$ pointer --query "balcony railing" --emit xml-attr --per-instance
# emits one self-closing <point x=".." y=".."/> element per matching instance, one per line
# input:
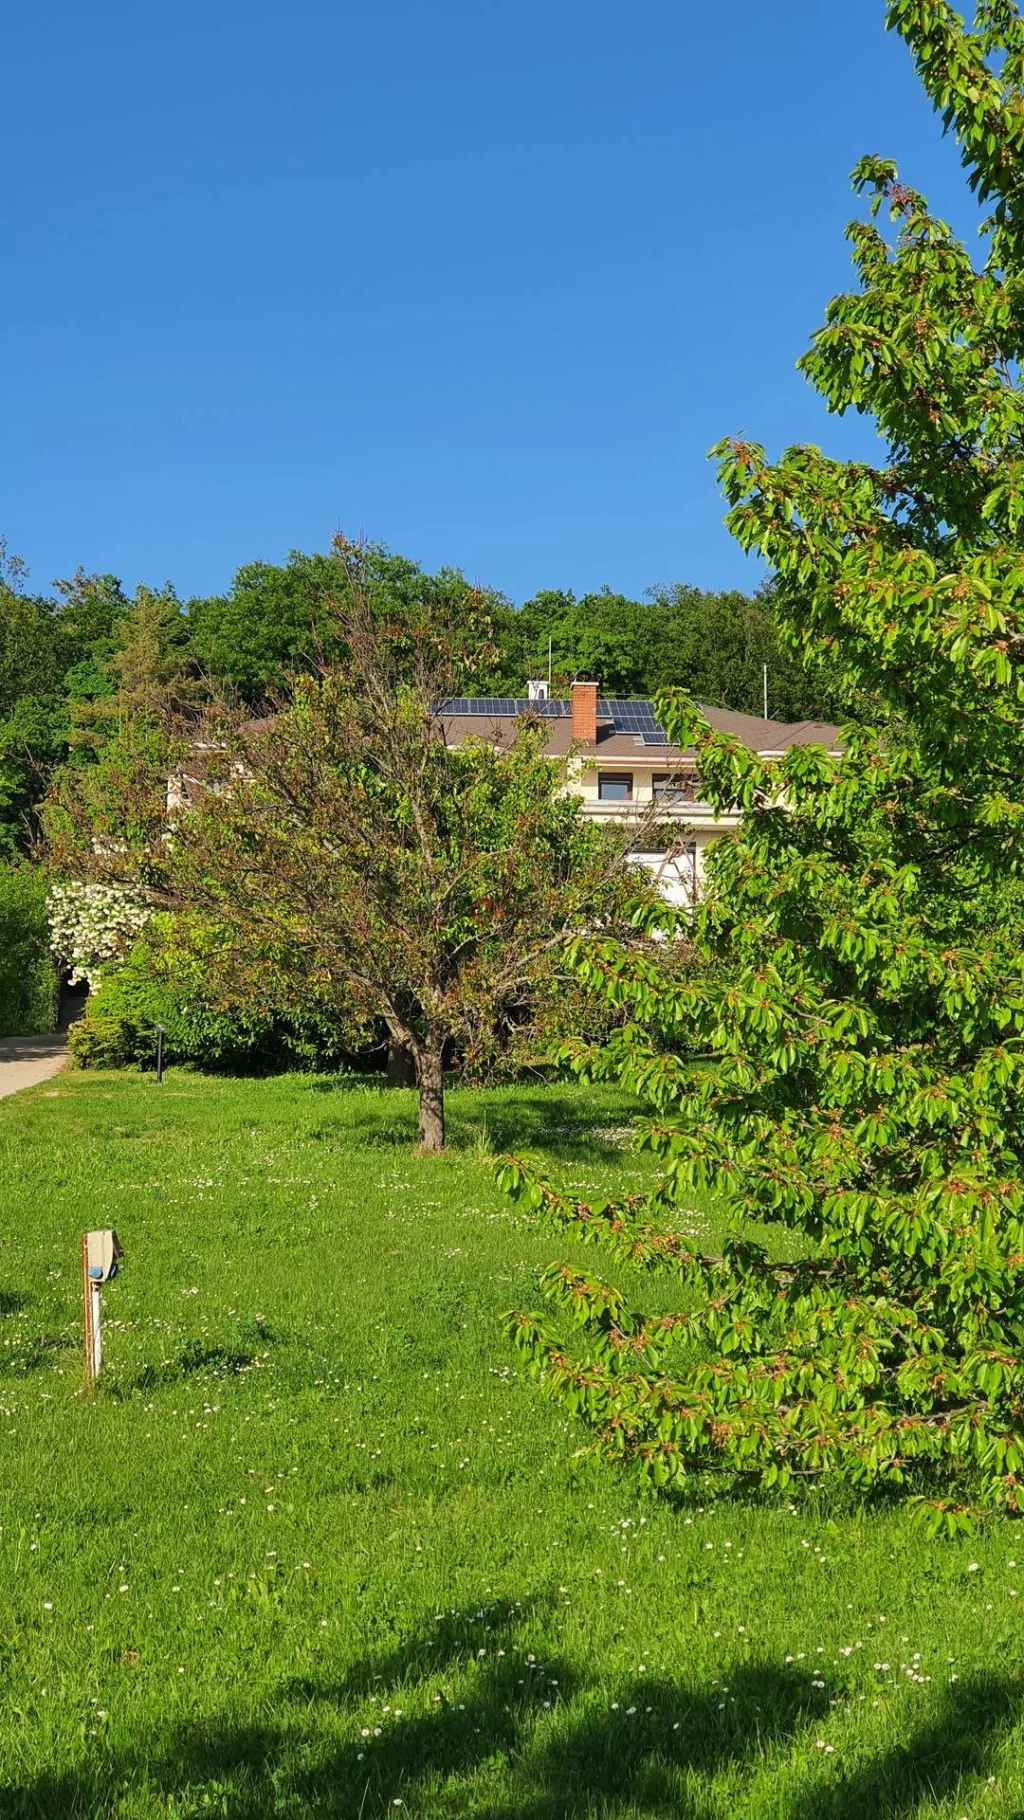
<point x="663" y="810"/>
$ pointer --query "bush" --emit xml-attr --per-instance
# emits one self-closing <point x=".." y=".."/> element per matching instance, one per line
<point x="157" y="985"/>
<point x="28" y="978"/>
<point x="118" y="1029"/>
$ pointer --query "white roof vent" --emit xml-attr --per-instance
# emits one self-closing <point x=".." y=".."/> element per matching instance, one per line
<point x="537" y="691"/>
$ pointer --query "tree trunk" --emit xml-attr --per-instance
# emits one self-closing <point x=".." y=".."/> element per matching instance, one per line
<point x="430" y="1080"/>
<point x="401" y="1065"/>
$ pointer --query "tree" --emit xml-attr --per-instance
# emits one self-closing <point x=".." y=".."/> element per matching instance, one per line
<point x="57" y="658"/>
<point x="342" y="844"/>
<point x="109" y="796"/>
<point x="862" y="990"/>
<point x="27" y="659"/>
<point x="147" y="677"/>
<point x="277" y="622"/>
<point x="601" y="635"/>
<point x="87" y="613"/>
<point x="29" y="679"/>
<point x="713" y="645"/>
<point x="718" y="646"/>
<point x="264" y="628"/>
<point x="28" y="979"/>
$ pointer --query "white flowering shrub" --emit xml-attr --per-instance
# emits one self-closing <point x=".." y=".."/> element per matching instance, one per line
<point x="94" y="926"/>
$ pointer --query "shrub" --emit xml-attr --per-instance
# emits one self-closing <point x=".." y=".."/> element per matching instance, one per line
<point x="118" y="1029"/>
<point x="159" y="985"/>
<point x="28" y="978"/>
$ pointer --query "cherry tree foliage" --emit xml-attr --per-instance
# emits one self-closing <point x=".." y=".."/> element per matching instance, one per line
<point x="860" y="995"/>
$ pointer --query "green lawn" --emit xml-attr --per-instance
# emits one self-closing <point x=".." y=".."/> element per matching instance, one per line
<point x="318" y="1547"/>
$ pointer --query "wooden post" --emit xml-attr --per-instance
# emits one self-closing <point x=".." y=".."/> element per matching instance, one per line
<point x="100" y="1252"/>
<point x="90" y="1319"/>
<point x="159" y="1053"/>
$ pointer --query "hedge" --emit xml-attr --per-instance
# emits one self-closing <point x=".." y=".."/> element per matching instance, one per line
<point x="28" y="976"/>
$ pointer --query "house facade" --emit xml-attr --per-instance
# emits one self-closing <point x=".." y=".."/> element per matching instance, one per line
<point x="625" y="769"/>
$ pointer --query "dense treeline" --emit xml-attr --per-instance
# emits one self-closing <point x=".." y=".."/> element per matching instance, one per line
<point x="73" y="662"/>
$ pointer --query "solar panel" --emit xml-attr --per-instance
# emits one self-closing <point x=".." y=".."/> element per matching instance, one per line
<point x="629" y="716"/>
<point x="626" y="716"/>
<point x="500" y="707"/>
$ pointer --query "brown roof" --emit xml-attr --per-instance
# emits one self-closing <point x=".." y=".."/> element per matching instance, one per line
<point x="757" y="734"/>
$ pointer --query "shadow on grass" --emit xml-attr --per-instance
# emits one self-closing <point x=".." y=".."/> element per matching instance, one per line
<point x="496" y="1731"/>
<point x="196" y="1361"/>
<point x="343" y="1083"/>
<point x="927" y="1770"/>
<point x="561" y="1124"/>
<point x="12" y="1301"/>
<point x="39" y="1354"/>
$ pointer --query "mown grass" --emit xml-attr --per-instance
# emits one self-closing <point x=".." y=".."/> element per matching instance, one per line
<point x="317" y="1546"/>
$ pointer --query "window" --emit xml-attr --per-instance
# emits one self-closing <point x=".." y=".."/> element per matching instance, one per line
<point x="615" y="786"/>
<point x="675" y="787"/>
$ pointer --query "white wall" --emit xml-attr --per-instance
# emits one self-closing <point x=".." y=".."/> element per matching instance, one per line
<point x="680" y="877"/>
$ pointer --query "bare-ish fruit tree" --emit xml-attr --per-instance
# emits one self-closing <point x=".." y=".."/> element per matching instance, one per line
<point x="340" y="845"/>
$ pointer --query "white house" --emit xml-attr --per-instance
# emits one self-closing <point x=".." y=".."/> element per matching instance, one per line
<point x="623" y="763"/>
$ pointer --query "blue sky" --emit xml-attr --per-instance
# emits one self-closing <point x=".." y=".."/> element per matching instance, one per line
<point x="484" y="282"/>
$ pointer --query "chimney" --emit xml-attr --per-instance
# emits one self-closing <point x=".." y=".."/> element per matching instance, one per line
<point x="584" y="712"/>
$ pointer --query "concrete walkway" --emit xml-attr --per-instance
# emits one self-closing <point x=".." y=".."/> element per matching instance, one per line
<point x="26" y="1060"/>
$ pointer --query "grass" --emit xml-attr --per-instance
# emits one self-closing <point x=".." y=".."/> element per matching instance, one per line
<point x="318" y="1547"/>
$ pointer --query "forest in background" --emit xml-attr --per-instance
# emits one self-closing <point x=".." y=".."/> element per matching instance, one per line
<point x="75" y="659"/>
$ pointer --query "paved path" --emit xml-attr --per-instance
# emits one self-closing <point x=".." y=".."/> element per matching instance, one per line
<point x="26" y="1060"/>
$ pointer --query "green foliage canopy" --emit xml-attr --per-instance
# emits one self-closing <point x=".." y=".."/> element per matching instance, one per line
<point x="713" y="645"/>
<point x="63" y="657"/>
<point x="863" y="990"/>
<point x="279" y="622"/>
<point x="28" y="978"/>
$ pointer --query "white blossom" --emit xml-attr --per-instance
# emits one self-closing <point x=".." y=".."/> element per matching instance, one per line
<point x="93" y="926"/>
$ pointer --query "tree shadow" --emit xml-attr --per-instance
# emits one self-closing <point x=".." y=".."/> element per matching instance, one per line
<point x="12" y="1301"/>
<point x="483" y="1698"/>
<point x="195" y="1361"/>
<point x="369" y="1134"/>
<point x="39" y="1354"/>
<point x="560" y="1123"/>
<point x="929" y="1767"/>
<point x="342" y="1083"/>
<point x="496" y="1729"/>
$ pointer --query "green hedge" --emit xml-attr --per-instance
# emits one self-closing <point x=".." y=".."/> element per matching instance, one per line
<point x="118" y="1029"/>
<point x="28" y="976"/>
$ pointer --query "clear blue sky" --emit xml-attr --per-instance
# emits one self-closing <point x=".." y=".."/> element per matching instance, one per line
<point x="484" y="282"/>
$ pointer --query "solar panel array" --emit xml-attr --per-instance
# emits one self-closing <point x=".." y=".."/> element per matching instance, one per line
<point x="636" y="717"/>
<point x="498" y="707"/>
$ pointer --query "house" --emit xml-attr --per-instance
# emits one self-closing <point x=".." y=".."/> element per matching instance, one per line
<point x="625" y="768"/>
<point x="621" y="764"/>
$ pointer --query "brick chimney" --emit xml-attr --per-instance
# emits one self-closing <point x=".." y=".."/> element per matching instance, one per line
<point x="584" y="712"/>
